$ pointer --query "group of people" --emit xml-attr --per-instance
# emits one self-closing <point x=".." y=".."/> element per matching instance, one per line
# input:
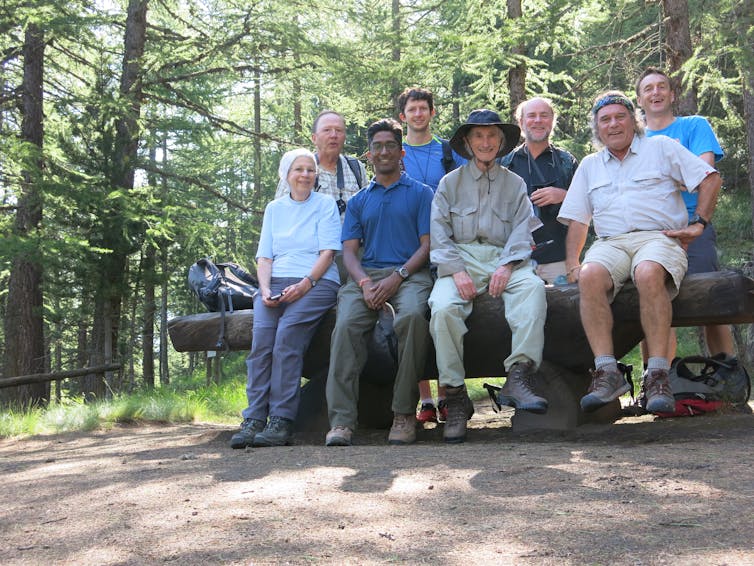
<point x="489" y="216"/>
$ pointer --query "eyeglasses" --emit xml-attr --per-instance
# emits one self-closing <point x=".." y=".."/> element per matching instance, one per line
<point x="378" y="147"/>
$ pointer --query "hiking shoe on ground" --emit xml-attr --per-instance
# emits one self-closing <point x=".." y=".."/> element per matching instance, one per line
<point x="659" y="396"/>
<point x="606" y="385"/>
<point x="442" y="411"/>
<point x="339" y="436"/>
<point x="278" y="432"/>
<point x="460" y="410"/>
<point x="518" y="392"/>
<point x="245" y="436"/>
<point x="403" y="430"/>
<point x="427" y="413"/>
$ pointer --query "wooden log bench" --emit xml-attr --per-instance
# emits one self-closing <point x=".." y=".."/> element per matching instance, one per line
<point x="713" y="298"/>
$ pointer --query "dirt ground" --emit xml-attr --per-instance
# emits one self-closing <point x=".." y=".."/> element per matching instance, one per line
<point x="636" y="492"/>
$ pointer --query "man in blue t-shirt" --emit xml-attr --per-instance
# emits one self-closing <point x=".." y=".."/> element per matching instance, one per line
<point x="390" y="219"/>
<point x="655" y="96"/>
<point x="427" y="158"/>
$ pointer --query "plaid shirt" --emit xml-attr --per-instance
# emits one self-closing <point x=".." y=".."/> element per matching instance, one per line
<point x="328" y="182"/>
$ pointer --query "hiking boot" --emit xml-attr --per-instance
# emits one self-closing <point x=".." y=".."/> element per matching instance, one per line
<point x="442" y="411"/>
<point x="278" y="432"/>
<point x="517" y="391"/>
<point x="427" y="413"/>
<point x="403" y="430"/>
<point x="339" y="436"/>
<point x="245" y="436"/>
<point x="606" y="385"/>
<point x="460" y="410"/>
<point x="659" y="396"/>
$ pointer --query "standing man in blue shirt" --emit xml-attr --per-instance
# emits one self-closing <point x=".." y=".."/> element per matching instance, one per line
<point x="427" y="159"/>
<point x="655" y="96"/>
<point x="390" y="219"/>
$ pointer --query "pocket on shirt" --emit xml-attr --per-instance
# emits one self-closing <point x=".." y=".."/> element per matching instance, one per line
<point x="602" y="195"/>
<point x="463" y="221"/>
<point x="502" y="227"/>
<point x="652" y="184"/>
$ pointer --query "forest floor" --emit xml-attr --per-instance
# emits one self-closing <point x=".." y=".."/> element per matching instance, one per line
<point x="641" y="491"/>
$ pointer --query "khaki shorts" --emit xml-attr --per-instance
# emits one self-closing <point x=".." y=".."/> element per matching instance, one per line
<point x="622" y="253"/>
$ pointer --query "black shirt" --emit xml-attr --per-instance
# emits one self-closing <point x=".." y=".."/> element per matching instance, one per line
<point x="553" y="167"/>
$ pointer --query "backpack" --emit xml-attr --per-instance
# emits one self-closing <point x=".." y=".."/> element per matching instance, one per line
<point x="708" y="385"/>
<point x="222" y="287"/>
<point x="353" y="164"/>
<point x="448" y="162"/>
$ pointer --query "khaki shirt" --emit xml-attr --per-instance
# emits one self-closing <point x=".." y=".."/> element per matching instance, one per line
<point x="486" y="208"/>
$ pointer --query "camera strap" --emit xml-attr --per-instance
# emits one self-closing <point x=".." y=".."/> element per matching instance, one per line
<point x="340" y="179"/>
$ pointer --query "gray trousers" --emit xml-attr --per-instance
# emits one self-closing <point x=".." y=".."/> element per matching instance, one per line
<point x="348" y="347"/>
<point x="281" y="337"/>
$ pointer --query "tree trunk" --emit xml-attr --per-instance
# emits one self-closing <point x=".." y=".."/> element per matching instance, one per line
<point x="259" y="197"/>
<point x="113" y="266"/>
<point x="298" y="125"/>
<point x="149" y="307"/>
<point x="165" y="277"/>
<point x="517" y="74"/>
<point x="395" y="87"/>
<point x="678" y="49"/>
<point x="748" y="100"/>
<point x="748" y="103"/>
<point x="24" y="323"/>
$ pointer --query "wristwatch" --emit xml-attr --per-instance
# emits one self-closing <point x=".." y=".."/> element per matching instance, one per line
<point x="696" y="219"/>
<point x="403" y="272"/>
<point x="312" y="279"/>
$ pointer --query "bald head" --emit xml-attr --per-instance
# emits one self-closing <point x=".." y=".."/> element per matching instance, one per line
<point x="536" y="117"/>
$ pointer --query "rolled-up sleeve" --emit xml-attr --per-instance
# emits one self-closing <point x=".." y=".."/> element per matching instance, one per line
<point x="576" y="205"/>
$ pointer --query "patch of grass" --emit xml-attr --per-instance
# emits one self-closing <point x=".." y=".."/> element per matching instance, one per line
<point x="215" y="403"/>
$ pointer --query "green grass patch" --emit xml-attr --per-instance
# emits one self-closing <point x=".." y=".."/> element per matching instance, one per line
<point x="175" y="404"/>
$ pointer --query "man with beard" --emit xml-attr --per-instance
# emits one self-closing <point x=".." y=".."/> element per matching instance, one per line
<point x="547" y="171"/>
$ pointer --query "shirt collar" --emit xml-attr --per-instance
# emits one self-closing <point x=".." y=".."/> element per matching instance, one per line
<point x="633" y="148"/>
<point x="477" y="173"/>
<point x="401" y="181"/>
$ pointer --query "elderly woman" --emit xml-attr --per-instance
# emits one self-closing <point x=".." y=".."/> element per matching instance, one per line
<point x="298" y="284"/>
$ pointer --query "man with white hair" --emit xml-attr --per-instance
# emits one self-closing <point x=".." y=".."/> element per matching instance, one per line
<point x="631" y="190"/>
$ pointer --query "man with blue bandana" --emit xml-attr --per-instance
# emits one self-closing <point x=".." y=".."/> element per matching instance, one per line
<point x="631" y="190"/>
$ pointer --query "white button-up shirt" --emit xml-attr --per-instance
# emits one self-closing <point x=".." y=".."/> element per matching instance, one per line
<point x="641" y="192"/>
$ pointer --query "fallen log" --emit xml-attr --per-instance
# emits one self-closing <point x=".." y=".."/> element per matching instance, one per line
<point x="712" y="298"/>
<point x="55" y="376"/>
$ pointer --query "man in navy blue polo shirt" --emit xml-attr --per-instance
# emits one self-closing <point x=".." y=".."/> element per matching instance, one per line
<point x="390" y="219"/>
